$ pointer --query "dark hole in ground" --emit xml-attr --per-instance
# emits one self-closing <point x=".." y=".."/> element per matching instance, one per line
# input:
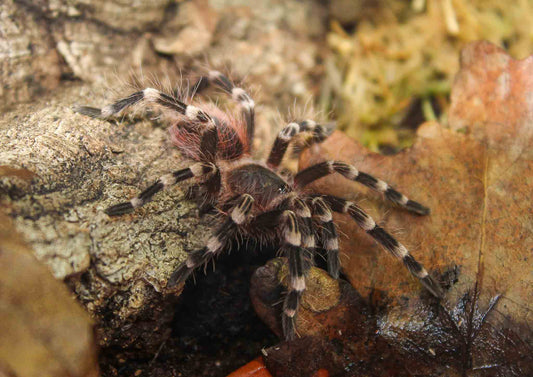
<point x="215" y="329"/>
<point x="215" y="320"/>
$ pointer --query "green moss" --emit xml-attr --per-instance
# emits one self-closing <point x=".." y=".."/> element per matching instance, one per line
<point x="398" y="57"/>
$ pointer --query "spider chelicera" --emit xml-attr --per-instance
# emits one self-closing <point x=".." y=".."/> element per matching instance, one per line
<point x="252" y="198"/>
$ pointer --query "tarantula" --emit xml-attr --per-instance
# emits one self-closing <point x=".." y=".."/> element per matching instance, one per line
<point x="254" y="200"/>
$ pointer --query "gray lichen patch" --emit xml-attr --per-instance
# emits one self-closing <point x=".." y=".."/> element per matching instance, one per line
<point x="77" y="174"/>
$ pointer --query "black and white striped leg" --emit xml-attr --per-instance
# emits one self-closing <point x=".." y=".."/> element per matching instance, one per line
<point x="323" y="169"/>
<point x="309" y="242"/>
<point x="197" y="170"/>
<point x="239" y="95"/>
<point x="286" y="135"/>
<point x="217" y="242"/>
<point x="294" y="226"/>
<point x="330" y="239"/>
<point x="292" y="248"/>
<point x="148" y="95"/>
<point x="388" y="242"/>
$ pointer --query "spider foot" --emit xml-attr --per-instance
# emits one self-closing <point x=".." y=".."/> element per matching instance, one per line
<point x="92" y="112"/>
<point x="180" y="275"/>
<point x="433" y="286"/>
<point x="417" y="208"/>
<point x="120" y="209"/>
<point x="288" y="326"/>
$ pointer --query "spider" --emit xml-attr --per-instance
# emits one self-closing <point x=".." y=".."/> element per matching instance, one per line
<point x="252" y="198"/>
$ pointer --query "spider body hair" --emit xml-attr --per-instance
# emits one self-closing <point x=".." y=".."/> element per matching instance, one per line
<point x="232" y="141"/>
<point x="253" y="199"/>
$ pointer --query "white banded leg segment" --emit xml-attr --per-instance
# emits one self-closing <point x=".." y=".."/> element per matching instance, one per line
<point x="287" y="134"/>
<point x="298" y="266"/>
<point x="148" y="95"/>
<point x="329" y="236"/>
<point x="167" y="180"/>
<point x="323" y="169"/>
<point x="391" y="194"/>
<point x="301" y="209"/>
<point x="307" y="231"/>
<point x="238" y="215"/>
<point x="112" y="109"/>
<point x="313" y="134"/>
<point x="159" y="98"/>
<point x="330" y="241"/>
<point x="308" y="236"/>
<point x="242" y="209"/>
<point x="319" y="132"/>
<point x="240" y="96"/>
<point x="388" y="242"/>
<point x="296" y="287"/>
<point x="222" y="81"/>
<point x="289" y="316"/>
<point x="281" y="143"/>
<point x="304" y="213"/>
<point x="196" y="258"/>
<point x="321" y="210"/>
<point x="297" y="270"/>
<point x="216" y="243"/>
<point x="291" y="231"/>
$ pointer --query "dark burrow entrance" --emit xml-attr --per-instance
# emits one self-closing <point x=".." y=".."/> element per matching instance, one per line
<point x="214" y="331"/>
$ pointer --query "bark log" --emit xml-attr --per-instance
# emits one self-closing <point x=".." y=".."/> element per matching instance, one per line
<point x="60" y="170"/>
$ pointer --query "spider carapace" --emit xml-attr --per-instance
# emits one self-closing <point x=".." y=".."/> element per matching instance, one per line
<point x="252" y="199"/>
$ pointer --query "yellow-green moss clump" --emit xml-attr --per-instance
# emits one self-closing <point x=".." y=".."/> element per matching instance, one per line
<point x="401" y="58"/>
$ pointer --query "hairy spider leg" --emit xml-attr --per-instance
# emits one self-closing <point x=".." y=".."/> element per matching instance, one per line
<point x="239" y="95"/>
<point x="292" y="249"/>
<point x="238" y="215"/>
<point x="329" y="236"/>
<point x="209" y="134"/>
<point x="388" y="242"/>
<point x="312" y="173"/>
<point x="299" y="260"/>
<point x="287" y="134"/>
<point x="208" y="146"/>
<point x="309" y="242"/>
<point x="197" y="170"/>
<point x="149" y="95"/>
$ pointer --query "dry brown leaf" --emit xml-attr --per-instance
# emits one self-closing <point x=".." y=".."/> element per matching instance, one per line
<point x="477" y="183"/>
<point x="44" y="332"/>
<point x="476" y="176"/>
